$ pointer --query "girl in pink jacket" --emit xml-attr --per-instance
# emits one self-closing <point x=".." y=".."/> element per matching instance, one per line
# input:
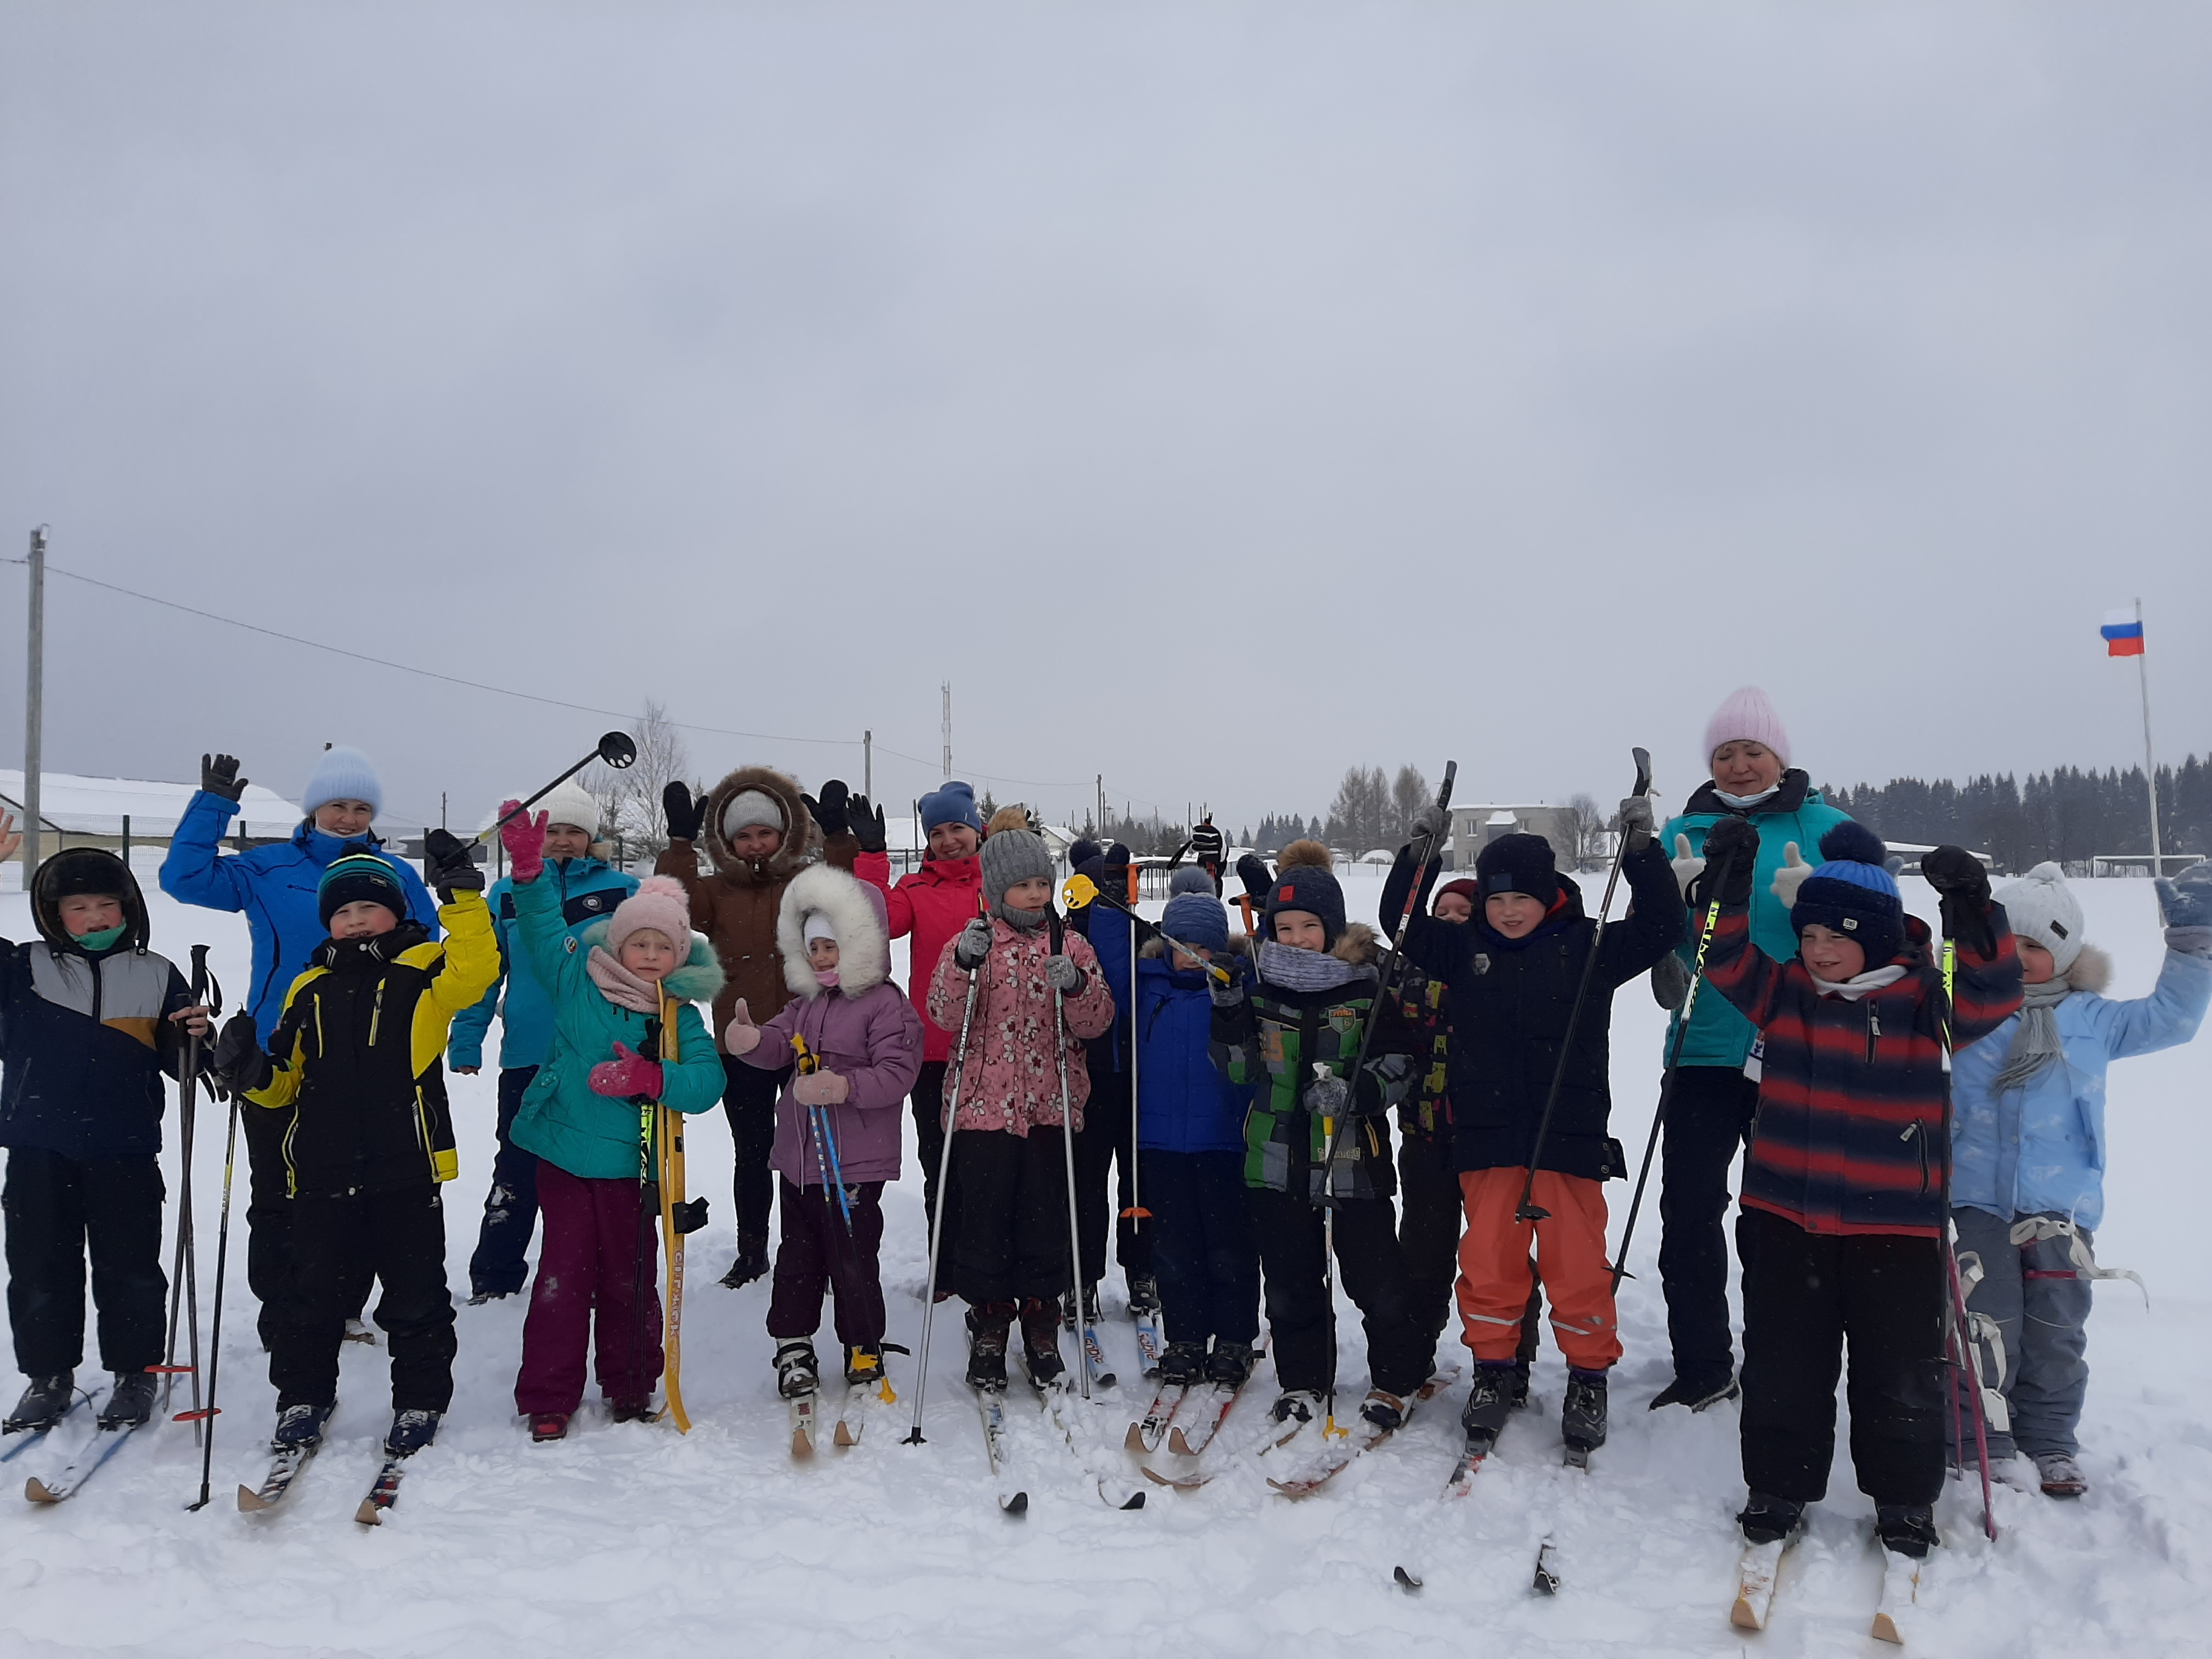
<point x="1009" y="1255"/>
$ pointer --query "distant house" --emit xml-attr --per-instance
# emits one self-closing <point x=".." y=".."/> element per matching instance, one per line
<point x="74" y="811"/>
<point x="1474" y="827"/>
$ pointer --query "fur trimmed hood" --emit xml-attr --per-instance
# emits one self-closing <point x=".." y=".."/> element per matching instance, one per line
<point x="2092" y="970"/>
<point x="856" y="912"/>
<point x="700" y="978"/>
<point x="802" y="837"/>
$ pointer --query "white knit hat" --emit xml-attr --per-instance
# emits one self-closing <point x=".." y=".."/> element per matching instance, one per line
<point x="818" y="926"/>
<point x="2041" y="906"/>
<point x="1747" y="713"/>
<point x="570" y="803"/>
<point x="748" y="807"/>
<point x="342" y="772"/>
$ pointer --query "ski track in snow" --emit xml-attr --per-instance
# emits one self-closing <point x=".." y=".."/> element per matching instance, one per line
<point x="694" y="1543"/>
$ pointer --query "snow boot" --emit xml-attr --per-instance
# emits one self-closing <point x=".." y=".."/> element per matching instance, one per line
<point x="1385" y="1410"/>
<point x="752" y="1262"/>
<point x="1296" y="1406"/>
<point x="1520" y="1384"/>
<point x="1041" y="1341"/>
<point x="1182" y="1364"/>
<point x="1489" y="1402"/>
<point x="1229" y="1365"/>
<point x="1907" y="1528"/>
<point x="300" y="1428"/>
<point x="483" y="1297"/>
<point x="129" y="1400"/>
<point x="549" y="1425"/>
<point x="1582" y="1420"/>
<point x="1697" y="1397"/>
<point x="864" y="1362"/>
<point x="43" y="1402"/>
<point x="411" y="1430"/>
<point x="1766" y="1518"/>
<point x="798" y="1373"/>
<point x="2061" y="1476"/>
<point x="986" y="1344"/>
<point x="632" y="1411"/>
<point x="1144" y="1294"/>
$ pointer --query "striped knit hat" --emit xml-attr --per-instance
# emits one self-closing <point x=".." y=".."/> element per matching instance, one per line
<point x="355" y="877"/>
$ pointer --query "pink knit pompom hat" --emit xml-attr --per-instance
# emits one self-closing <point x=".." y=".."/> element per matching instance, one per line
<point x="659" y="904"/>
<point x="1747" y="713"/>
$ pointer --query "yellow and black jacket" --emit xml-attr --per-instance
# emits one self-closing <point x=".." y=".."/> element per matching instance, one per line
<point x="356" y="1055"/>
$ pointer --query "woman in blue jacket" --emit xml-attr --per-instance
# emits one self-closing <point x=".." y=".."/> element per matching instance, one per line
<point x="1717" y="1090"/>
<point x="1191" y="1133"/>
<point x="2027" y="1183"/>
<point x="275" y="885"/>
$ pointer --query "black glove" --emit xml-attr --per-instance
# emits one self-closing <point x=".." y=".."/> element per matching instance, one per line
<point x="867" y="823"/>
<point x="1731" y="853"/>
<point x="1252" y="871"/>
<point x="1670" y="982"/>
<point x="830" y="812"/>
<point x="1394" y="1077"/>
<point x="684" y="814"/>
<point x="237" y="1062"/>
<point x="450" y="864"/>
<point x="1962" y="881"/>
<point x="219" y="776"/>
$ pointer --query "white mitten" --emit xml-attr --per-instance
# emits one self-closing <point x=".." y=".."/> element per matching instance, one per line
<point x="1687" y="865"/>
<point x="1791" y="876"/>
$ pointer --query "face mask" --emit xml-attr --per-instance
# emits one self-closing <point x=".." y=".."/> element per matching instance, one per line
<point x="1740" y="802"/>
<point x="101" y="941"/>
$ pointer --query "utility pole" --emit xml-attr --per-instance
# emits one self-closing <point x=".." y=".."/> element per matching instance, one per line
<point x="2151" y="761"/>
<point x="868" y="764"/>
<point x="948" y="730"/>
<point x="35" y="697"/>
<point x="1101" y="807"/>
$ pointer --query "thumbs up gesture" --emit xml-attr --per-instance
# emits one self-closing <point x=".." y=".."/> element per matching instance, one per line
<point x="1687" y="865"/>
<point x="743" y="1037"/>
<point x="1791" y="876"/>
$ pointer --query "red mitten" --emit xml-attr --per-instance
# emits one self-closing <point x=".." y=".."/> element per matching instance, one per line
<point x="626" y="1075"/>
<point x="524" y="841"/>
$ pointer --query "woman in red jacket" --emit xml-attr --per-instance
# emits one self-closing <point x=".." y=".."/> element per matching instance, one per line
<point x="930" y="906"/>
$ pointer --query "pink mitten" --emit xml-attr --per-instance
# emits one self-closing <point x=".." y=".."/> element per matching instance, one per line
<point x="743" y="1037"/>
<point x="626" y="1075"/>
<point x="820" y="1089"/>
<point x="524" y="841"/>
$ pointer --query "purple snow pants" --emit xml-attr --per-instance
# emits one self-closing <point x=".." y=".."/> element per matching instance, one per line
<point x="589" y="1263"/>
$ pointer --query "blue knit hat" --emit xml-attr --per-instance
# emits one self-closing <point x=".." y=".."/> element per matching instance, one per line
<point x="342" y="774"/>
<point x="1851" y="894"/>
<point x="953" y="803"/>
<point x="1197" y="919"/>
<point x="357" y="876"/>
<point x="1190" y="879"/>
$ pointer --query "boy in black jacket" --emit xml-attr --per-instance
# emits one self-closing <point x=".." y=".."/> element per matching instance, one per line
<point x="1510" y="976"/>
<point x="89" y="1020"/>
<point x="356" y="1062"/>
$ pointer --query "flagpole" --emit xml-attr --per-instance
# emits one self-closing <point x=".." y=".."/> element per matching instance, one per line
<point x="2150" y="765"/>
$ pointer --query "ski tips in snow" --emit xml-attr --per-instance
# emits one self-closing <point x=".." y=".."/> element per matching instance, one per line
<point x="1547" y="1581"/>
<point x="1756" y="1573"/>
<point x="1406" y="1581"/>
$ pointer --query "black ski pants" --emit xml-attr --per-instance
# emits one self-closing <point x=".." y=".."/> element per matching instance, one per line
<point x="928" y="1102"/>
<point x="510" y="1215"/>
<point x="1208" y="1261"/>
<point x="1429" y="1226"/>
<point x="398" y="1235"/>
<point x="749" y="1098"/>
<point x="817" y="1254"/>
<point x="1103" y="1145"/>
<point x="56" y="1207"/>
<point x="1807" y="1294"/>
<point x="1013" y="1216"/>
<point x="1708" y="1121"/>
<point x="1290" y="1231"/>
<point x="270" y="1256"/>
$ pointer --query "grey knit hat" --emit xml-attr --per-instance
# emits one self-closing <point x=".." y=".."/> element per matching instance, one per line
<point x="1010" y="856"/>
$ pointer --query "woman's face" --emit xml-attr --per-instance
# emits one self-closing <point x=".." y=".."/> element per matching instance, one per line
<point x="345" y="818"/>
<point x="567" y="841"/>
<point x="952" y="841"/>
<point x="756" y="841"/>
<point x="1741" y="767"/>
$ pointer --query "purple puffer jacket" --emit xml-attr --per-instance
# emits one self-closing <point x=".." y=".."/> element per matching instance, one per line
<point x="863" y="1029"/>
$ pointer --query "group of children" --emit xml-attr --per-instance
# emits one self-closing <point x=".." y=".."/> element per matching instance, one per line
<point x="1264" y="1067"/>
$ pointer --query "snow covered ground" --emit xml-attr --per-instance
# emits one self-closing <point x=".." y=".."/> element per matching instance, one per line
<point x="635" y="1537"/>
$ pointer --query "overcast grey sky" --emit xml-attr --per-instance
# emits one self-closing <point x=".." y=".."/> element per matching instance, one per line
<point x="1219" y="395"/>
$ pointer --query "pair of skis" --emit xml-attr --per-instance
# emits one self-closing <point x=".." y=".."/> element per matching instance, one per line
<point x="862" y="1400"/>
<point x="288" y="1463"/>
<point x="89" y="1460"/>
<point x="1759" y="1574"/>
<point x="1339" y="1451"/>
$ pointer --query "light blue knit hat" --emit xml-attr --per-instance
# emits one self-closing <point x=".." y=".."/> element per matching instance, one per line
<point x="342" y="772"/>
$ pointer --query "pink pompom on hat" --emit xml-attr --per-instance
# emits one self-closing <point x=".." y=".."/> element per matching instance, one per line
<point x="1747" y="713"/>
<point x="659" y="904"/>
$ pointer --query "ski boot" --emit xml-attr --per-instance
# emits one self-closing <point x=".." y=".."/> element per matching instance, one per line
<point x="1906" y="1528"/>
<point x="987" y="1346"/>
<point x="632" y="1411"/>
<point x="478" y="1299"/>
<point x="300" y="1428"/>
<point x="2061" y="1476"/>
<point x="1489" y="1403"/>
<point x="1385" y="1411"/>
<point x="1230" y="1366"/>
<point x="1294" y="1408"/>
<point x="864" y="1362"/>
<point x="1067" y="1313"/>
<point x="752" y="1262"/>
<point x="1767" y="1519"/>
<point x="1041" y="1342"/>
<point x="1582" y="1420"/>
<point x="411" y="1430"/>
<point x="1697" y="1397"/>
<point x="42" y="1403"/>
<point x="549" y="1425"/>
<point x="1520" y="1402"/>
<point x="1144" y="1294"/>
<point x="129" y="1400"/>
<point x="798" y="1373"/>
<point x="1182" y="1364"/>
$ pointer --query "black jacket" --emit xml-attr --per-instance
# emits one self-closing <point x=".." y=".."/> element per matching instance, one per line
<point x="1508" y="1000"/>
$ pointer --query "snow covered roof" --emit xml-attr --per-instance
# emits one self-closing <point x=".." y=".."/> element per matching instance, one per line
<point x="97" y="806"/>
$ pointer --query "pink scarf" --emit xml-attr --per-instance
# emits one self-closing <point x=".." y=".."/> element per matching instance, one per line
<point x="619" y="986"/>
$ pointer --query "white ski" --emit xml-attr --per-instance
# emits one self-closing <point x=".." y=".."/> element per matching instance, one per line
<point x="991" y="1405"/>
<point x="1151" y="1342"/>
<point x="862" y="1400"/>
<point x="1146" y="1434"/>
<point x="802" y="1423"/>
<point x="1900" y="1594"/>
<point x="1756" y="1573"/>
<point x="1113" y="1491"/>
<point x="283" y="1469"/>
<point x="83" y="1467"/>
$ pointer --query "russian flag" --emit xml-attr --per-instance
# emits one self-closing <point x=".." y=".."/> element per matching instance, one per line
<point x="2122" y="632"/>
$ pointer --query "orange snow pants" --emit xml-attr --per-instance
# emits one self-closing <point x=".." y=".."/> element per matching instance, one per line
<point x="1571" y="1261"/>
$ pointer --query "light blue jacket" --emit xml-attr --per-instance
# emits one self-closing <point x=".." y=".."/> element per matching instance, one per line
<point x="2042" y="1148"/>
<point x="589" y="889"/>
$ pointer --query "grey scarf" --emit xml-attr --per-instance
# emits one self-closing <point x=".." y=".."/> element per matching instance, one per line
<point x="1307" y="970"/>
<point x="2035" y="1045"/>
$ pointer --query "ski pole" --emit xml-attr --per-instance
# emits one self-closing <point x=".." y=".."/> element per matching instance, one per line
<point x="1136" y="1214"/>
<point x="952" y="1114"/>
<point x="1716" y="882"/>
<point x="807" y="1064"/>
<point x="208" y="1413"/>
<point x="184" y="1280"/>
<point x="615" y="749"/>
<point x="1530" y="1210"/>
<point x="1068" y="1147"/>
<point x="1961" y="1355"/>
<point x="1078" y="891"/>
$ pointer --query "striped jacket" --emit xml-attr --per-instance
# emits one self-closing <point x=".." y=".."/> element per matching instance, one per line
<point x="1848" y="1137"/>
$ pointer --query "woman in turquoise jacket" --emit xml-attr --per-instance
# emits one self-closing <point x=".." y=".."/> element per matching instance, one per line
<point x="612" y="989"/>
<point x="2027" y="1181"/>
<point x="1708" y="1116"/>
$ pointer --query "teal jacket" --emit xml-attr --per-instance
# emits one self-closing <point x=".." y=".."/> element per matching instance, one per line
<point x="593" y="1136"/>
<point x="1718" y="1034"/>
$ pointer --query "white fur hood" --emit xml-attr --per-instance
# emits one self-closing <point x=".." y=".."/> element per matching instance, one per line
<point x="855" y="910"/>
